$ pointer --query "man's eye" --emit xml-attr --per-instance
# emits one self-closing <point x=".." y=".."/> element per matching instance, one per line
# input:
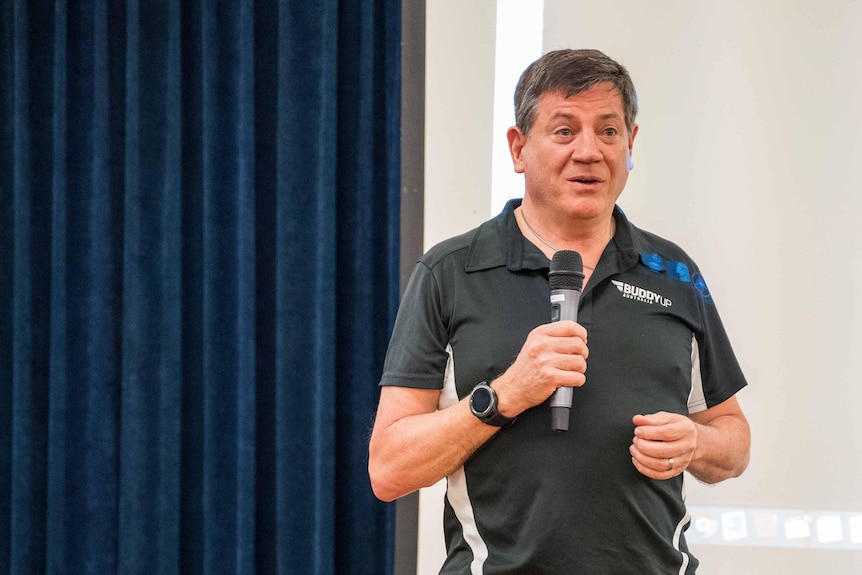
<point x="610" y="131"/>
<point x="564" y="132"/>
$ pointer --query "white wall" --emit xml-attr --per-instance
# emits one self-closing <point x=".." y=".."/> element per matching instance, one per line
<point x="748" y="155"/>
<point x="459" y="95"/>
<point x="459" y="65"/>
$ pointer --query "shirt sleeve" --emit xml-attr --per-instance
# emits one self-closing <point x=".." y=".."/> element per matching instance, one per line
<point x="719" y="369"/>
<point x="417" y="353"/>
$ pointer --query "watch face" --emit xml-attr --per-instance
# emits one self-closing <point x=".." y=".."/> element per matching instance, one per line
<point x="481" y="400"/>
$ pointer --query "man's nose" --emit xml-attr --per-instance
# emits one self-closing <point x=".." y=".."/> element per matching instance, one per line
<point x="585" y="148"/>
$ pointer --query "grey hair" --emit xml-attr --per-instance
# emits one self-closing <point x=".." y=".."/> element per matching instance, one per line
<point x="571" y="72"/>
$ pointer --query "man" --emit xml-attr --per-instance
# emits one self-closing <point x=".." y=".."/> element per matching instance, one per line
<point x="654" y="390"/>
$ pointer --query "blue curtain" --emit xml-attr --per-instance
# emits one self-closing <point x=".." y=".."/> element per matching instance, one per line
<point x="199" y="215"/>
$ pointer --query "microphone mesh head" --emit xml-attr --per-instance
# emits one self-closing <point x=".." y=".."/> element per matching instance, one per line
<point x="567" y="270"/>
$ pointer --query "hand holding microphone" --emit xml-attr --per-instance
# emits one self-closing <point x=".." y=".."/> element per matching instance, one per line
<point x="567" y="280"/>
<point x="553" y="358"/>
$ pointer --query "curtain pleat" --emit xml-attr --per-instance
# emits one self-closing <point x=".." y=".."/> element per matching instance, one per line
<point x="366" y="130"/>
<point x="7" y="405"/>
<point x="199" y="230"/>
<point x="306" y="282"/>
<point x="54" y="523"/>
<point x="150" y="415"/>
<point x="26" y="365"/>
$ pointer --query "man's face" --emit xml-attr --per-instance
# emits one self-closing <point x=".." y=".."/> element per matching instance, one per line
<point x="575" y="159"/>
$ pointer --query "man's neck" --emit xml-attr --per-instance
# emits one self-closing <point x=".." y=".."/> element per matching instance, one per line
<point x="589" y="237"/>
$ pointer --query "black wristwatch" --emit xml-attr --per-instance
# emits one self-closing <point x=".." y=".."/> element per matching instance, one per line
<point x="483" y="404"/>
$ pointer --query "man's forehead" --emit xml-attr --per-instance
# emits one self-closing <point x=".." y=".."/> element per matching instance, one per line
<point x="603" y="97"/>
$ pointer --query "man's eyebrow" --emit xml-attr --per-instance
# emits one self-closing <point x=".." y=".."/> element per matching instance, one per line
<point x="568" y="116"/>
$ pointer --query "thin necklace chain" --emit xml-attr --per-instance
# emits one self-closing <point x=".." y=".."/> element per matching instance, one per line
<point x="540" y="238"/>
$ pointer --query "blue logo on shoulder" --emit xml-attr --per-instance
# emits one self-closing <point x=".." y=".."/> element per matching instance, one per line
<point x="679" y="271"/>
<point x="653" y="261"/>
<point x="700" y="285"/>
<point x="676" y="270"/>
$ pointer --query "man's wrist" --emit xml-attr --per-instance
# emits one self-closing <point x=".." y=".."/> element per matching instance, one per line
<point x="484" y="404"/>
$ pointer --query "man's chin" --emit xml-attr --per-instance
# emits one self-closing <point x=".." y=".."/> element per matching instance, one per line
<point x="588" y="210"/>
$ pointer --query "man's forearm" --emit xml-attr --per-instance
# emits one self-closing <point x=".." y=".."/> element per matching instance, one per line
<point x="723" y="449"/>
<point x="418" y="450"/>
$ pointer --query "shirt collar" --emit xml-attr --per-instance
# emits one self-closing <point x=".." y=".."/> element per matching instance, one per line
<point x="499" y="242"/>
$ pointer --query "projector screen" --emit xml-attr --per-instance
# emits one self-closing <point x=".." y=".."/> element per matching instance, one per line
<point x="748" y="156"/>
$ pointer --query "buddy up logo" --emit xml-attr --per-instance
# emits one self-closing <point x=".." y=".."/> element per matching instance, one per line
<point x="640" y="294"/>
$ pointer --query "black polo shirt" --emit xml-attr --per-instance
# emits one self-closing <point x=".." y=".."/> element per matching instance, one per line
<point x="531" y="500"/>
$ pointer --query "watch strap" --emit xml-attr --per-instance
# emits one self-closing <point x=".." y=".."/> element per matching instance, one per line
<point x="491" y="415"/>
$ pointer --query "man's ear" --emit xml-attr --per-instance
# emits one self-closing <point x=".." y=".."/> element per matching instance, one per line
<point x="629" y="164"/>
<point x="516" y="145"/>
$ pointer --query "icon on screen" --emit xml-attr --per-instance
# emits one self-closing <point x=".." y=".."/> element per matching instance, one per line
<point x="766" y="525"/>
<point x="829" y="529"/>
<point x="733" y="526"/>
<point x="797" y="527"/>
<point x="855" y="524"/>
<point x="705" y="525"/>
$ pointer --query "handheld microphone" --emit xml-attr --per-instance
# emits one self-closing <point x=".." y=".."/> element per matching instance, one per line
<point x="567" y="280"/>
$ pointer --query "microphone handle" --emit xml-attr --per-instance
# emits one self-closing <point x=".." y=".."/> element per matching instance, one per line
<point x="564" y="306"/>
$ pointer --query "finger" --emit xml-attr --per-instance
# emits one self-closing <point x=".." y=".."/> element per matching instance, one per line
<point x="682" y="450"/>
<point x="658" y="468"/>
<point x="654" y="474"/>
<point x="568" y="362"/>
<point x="573" y="346"/>
<point x="544" y="346"/>
<point x="561" y="371"/>
<point x="658" y="433"/>
<point x="570" y="379"/>
<point x="552" y="364"/>
<point x="654" y="419"/>
<point x="665" y="427"/>
<point x="644" y="470"/>
<point x="656" y="449"/>
<point x="653" y="461"/>
<point x="563" y="328"/>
